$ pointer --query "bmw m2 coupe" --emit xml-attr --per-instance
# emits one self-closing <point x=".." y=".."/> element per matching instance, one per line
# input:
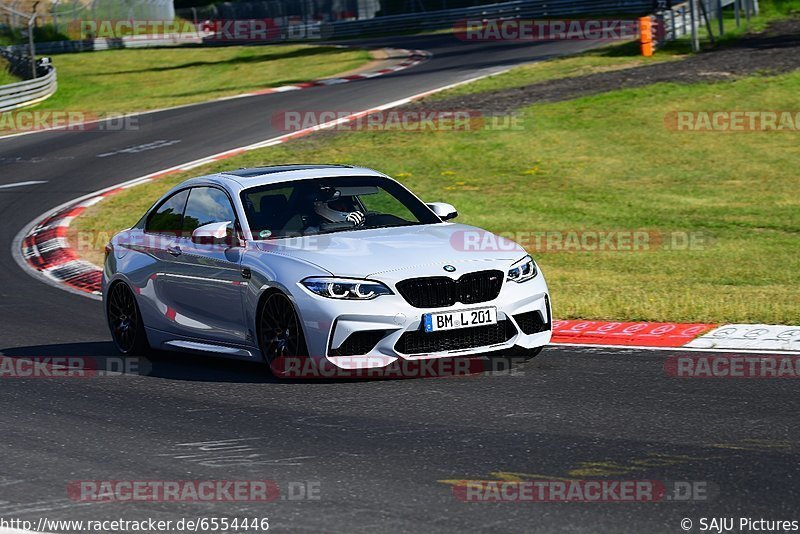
<point x="334" y="263"/>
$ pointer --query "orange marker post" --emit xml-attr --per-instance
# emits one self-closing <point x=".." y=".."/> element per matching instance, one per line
<point x="646" y="36"/>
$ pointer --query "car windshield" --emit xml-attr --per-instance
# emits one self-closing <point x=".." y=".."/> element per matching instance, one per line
<point x="325" y="205"/>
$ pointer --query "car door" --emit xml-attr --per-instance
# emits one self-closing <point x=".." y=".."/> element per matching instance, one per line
<point x="205" y="287"/>
<point x="158" y="244"/>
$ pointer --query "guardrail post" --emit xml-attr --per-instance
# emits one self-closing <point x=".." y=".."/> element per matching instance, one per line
<point x="736" y="8"/>
<point x="673" y="30"/>
<point x="693" y="21"/>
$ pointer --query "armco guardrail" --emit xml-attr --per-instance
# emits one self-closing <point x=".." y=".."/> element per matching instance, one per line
<point x="20" y="94"/>
<point x="91" y="45"/>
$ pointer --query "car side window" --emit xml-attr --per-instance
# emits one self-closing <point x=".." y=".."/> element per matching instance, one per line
<point x="168" y="218"/>
<point x="206" y="205"/>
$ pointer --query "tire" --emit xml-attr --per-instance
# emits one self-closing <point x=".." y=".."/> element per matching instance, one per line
<point x="125" y="321"/>
<point x="280" y="334"/>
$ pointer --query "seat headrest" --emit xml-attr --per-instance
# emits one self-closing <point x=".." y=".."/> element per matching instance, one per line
<point x="272" y="204"/>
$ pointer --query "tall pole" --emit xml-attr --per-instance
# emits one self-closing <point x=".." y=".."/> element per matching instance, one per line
<point x="32" y="46"/>
<point x="693" y="23"/>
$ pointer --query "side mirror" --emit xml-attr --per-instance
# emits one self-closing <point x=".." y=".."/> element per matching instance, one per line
<point x="214" y="233"/>
<point x="443" y="210"/>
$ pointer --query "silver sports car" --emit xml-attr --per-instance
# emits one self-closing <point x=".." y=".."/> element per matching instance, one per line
<point x="329" y="263"/>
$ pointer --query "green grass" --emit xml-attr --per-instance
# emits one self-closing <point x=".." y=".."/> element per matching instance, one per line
<point x="604" y="162"/>
<point x="118" y="81"/>
<point x="5" y="76"/>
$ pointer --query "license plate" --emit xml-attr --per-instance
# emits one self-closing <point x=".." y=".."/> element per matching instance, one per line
<point x="459" y="319"/>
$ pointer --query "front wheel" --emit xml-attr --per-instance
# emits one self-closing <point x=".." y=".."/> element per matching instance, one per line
<point x="125" y="321"/>
<point x="280" y="333"/>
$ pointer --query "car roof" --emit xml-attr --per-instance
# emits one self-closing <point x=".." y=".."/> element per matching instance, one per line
<point x="255" y="176"/>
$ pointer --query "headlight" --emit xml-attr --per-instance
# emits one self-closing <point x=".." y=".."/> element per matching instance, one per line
<point x="523" y="270"/>
<point x="346" y="289"/>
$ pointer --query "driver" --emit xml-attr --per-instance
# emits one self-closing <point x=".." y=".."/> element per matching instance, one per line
<point x="341" y="209"/>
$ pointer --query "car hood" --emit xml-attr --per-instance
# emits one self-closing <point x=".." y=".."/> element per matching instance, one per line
<point x="399" y="252"/>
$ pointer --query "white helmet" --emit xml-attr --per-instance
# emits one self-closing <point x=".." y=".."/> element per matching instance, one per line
<point x="324" y="210"/>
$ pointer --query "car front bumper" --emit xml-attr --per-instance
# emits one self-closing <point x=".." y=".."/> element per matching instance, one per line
<point x="328" y="323"/>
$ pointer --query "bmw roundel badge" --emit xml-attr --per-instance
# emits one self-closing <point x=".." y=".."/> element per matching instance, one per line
<point x="449" y="268"/>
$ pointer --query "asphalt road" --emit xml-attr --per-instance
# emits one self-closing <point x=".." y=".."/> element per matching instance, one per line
<point x="381" y="454"/>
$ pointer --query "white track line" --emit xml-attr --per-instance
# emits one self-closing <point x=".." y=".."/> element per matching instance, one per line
<point x="673" y="349"/>
<point x="22" y="184"/>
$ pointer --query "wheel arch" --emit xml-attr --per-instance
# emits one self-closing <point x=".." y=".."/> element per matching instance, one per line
<point x="267" y="292"/>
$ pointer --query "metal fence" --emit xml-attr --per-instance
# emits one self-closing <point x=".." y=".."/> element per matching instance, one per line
<point x="65" y="15"/>
<point x="522" y="9"/>
<point x="679" y="20"/>
<point x="20" y="94"/>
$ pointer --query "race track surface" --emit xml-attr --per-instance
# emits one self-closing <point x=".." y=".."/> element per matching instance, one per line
<point x="384" y="453"/>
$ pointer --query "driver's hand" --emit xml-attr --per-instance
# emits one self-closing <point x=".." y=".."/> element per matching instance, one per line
<point x="356" y="217"/>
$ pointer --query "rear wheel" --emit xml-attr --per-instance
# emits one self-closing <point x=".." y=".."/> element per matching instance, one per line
<point x="125" y="321"/>
<point x="280" y="333"/>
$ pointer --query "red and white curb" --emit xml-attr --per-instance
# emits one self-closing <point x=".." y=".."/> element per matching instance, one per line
<point x="413" y="57"/>
<point x="750" y="336"/>
<point x="642" y="334"/>
<point x="755" y="338"/>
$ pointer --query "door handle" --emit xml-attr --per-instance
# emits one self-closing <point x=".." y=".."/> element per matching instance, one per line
<point x="175" y="250"/>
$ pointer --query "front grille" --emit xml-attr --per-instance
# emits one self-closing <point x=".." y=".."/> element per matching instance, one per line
<point x="420" y="342"/>
<point x="358" y="343"/>
<point x="441" y="291"/>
